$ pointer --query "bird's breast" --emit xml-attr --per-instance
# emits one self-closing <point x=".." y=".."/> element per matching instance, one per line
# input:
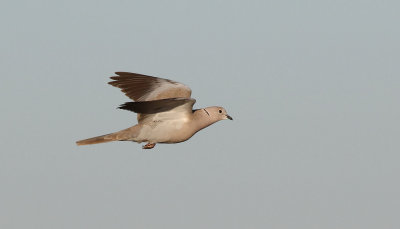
<point x="167" y="131"/>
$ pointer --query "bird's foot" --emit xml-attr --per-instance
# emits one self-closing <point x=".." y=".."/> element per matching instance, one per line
<point x="149" y="146"/>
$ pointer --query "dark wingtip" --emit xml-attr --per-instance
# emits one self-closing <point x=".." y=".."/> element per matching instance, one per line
<point x="129" y="106"/>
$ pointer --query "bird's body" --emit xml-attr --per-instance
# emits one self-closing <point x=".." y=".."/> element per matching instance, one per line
<point x="165" y="111"/>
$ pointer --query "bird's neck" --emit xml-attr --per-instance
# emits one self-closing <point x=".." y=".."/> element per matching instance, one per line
<point x="202" y="119"/>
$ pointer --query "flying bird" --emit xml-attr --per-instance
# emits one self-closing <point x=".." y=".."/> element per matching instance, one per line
<point x="164" y="111"/>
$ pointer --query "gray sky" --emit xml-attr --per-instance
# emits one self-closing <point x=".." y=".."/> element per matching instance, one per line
<point x="313" y="87"/>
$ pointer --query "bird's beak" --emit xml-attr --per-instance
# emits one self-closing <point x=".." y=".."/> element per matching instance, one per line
<point x="229" y="117"/>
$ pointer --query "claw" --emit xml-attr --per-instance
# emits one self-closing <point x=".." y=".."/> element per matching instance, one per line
<point x="149" y="146"/>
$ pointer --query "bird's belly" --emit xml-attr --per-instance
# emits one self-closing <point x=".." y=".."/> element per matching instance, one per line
<point x="171" y="131"/>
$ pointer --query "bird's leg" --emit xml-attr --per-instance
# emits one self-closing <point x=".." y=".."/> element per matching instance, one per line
<point x="149" y="146"/>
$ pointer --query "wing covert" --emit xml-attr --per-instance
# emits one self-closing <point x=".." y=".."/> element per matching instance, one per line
<point x="140" y="87"/>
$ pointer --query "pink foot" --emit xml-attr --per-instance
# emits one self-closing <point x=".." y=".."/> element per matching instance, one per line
<point x="149" y="146"/>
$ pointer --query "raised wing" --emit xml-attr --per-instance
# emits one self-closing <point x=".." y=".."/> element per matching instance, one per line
<point x="147" y="88"/>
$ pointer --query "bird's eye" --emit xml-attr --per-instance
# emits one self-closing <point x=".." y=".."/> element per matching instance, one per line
<point x="220" y="111"/>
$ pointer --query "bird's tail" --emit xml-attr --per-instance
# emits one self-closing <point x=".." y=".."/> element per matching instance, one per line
<point x="98" y="139"/>
<point x="123" y="135"/>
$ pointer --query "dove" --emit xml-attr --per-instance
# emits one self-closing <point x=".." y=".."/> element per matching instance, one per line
<point x="164" y="110"/>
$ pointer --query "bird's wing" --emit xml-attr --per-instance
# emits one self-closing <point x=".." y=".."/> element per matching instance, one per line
<point x="158" y="106"/>
<point x="147" y="88"/>
<point x="161" y="110"/>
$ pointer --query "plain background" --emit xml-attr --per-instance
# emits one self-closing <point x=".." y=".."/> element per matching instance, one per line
<point x="313" y="87"/>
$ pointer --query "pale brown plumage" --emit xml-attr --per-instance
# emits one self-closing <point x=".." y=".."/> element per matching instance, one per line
<point x="164" y="109"/>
